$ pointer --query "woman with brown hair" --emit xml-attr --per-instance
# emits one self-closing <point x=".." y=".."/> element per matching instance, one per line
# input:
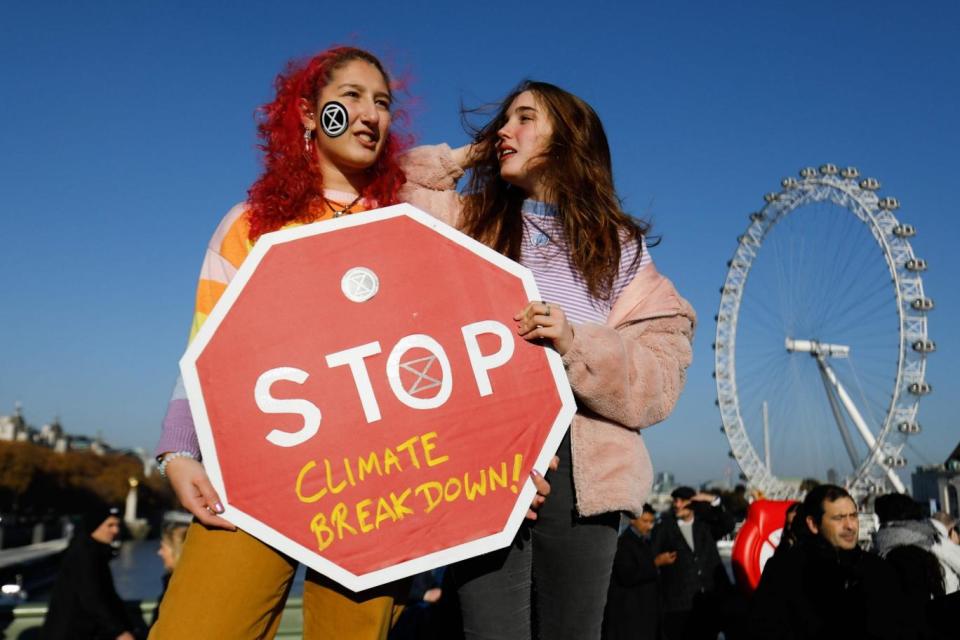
<point x="541" y="192"/>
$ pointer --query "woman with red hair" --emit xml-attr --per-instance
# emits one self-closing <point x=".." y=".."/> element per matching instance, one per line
<point x="227" y="583"/>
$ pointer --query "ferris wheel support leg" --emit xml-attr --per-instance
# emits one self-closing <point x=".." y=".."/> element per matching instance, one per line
<point x="859" y="422"/>
<point x="841" y="423"/>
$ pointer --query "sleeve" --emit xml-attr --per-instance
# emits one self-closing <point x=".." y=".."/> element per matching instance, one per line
<point x="769" y="608"/>
<point x="631" y="568"/>
<point x="225" y="253"/>
<point x="99" y="599"/>
<point x="633" y="374"/>
<point x="718" y="520"/>
<point x="659" y="541"/>
<point x="431" y="185"/>
<point x="179" y="432"/>
<point x="948" y="553"/>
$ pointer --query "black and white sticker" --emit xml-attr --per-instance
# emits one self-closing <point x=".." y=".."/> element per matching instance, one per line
<point x="333" y="119"/>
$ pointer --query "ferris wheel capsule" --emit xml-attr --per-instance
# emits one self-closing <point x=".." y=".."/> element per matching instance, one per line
<point x="828" y="169"/>
<point x="904" y="231"/>
<point x="850" y="173"/>
<point x="924" y="346"/>
<point x="870" y="184"/>
<point x="888" y="204"/>
<point x="922" y="304"/>
<point x="909" y="427"/>
<point x="789" y="183"/>
<point x="772" y="196"/>
<point x="808" y="172"/>
<point x="921" y="388"/>
<point x="915" y="264"/>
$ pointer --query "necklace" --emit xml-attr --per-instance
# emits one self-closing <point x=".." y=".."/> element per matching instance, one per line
<point x="339" y="212"/>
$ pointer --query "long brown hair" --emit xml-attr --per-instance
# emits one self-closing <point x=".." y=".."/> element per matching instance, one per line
<point x="579" y="179"/>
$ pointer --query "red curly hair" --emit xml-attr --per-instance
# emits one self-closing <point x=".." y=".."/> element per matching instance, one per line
<point x="291" y="179"/>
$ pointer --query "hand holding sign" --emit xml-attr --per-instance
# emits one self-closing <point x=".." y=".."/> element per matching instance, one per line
<point x="542" y="320"/>
<point x="195" y="492"/>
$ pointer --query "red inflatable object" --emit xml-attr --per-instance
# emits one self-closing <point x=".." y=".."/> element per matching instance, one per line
<point x="757" y="539"/>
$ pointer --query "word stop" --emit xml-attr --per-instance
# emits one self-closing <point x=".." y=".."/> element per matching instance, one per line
<point x="354" y="358"/>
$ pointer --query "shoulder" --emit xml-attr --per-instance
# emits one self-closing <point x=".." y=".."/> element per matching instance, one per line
<point x="231" y="238"/>
<point x="230" y="224"/>
<point x="650" y="295"/>
<point x="666" y="524"/>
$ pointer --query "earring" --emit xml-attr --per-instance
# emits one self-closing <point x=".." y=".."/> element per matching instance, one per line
<point x="307" y="137"/>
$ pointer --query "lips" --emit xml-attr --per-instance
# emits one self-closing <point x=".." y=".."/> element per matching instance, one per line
<point x="504" y="151"/>
<point x="367" y="139"/>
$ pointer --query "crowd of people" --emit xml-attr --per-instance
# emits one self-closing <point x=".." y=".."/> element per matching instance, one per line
<point x="539" y="190"/>
<point x="820" y="583"/>
<point x="667" y="580"/>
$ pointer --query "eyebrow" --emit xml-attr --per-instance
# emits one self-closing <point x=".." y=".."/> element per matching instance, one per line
<point x="353" y="85"/>
<point x="530" y="109"/>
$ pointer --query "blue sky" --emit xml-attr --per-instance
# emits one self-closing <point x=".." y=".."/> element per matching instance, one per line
<point x="127" y="131"/>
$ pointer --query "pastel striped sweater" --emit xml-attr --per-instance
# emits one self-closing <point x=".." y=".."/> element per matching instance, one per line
<point x="545" y="251"/>
<point x="226" y="251"/>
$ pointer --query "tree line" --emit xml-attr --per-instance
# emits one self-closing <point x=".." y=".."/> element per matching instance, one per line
<point x="36" y="481"/>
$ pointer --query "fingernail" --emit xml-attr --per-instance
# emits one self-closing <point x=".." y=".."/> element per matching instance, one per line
<point x="535" y="473"/>
<point x="218" y="508"/>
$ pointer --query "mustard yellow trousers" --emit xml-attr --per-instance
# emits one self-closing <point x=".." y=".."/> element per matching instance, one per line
<point x="229" y="585"/>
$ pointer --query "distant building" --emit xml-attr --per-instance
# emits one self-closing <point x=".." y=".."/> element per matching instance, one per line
<point x="938" y="485"/>
<point x="14" y="428"/>
<point x="663" y="482"/>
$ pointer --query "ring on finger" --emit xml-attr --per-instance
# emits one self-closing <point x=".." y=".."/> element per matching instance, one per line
<point x="547" y="313"/>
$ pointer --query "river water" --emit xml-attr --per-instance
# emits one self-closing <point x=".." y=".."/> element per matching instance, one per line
<point x="138" y="571"/>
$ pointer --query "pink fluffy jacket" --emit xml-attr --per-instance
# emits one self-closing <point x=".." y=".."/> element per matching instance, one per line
<point x="626" y="374"/>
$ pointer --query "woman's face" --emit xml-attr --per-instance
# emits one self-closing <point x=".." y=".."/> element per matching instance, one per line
<point x="361" y="88"/>
<point x="523" y="139"/>
<point x="166" y="555"/>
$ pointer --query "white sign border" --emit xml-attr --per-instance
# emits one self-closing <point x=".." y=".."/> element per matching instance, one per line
<point x="278" y="540"/>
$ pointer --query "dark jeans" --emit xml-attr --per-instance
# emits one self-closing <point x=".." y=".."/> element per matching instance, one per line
<point x="561" y="563"/>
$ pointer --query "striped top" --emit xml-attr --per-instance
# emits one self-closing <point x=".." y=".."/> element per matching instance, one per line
<point x="226" y="251"/>
<point x="544" y="250"/>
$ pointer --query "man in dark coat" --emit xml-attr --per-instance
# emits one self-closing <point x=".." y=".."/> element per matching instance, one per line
<point x="825" y="586"/>
<point x="84" y="603"/>
<point x="693" y="586"/>
<point x="633" y="603"/>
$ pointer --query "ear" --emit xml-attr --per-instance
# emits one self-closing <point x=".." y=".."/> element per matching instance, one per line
<point x="307" y="116"/>
<point x="812" y="526"/>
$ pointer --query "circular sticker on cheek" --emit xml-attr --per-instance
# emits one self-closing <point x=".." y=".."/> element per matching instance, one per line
<point x="333" y="119"/>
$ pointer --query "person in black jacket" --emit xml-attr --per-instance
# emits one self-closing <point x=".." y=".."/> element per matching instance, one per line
<point x="633" y="601"/>
<point x="825" y="586"/>
<point x="693" y="586"/>
<point x="84" y="603"/>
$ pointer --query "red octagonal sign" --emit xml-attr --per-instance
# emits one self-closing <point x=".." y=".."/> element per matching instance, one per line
<point x="363" y="401"/>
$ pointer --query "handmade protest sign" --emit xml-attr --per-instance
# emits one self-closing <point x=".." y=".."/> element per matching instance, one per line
<point x="363" y="401"/>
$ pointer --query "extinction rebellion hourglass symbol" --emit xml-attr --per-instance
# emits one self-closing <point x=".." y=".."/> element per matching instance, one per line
<point x="333" y="119"/>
